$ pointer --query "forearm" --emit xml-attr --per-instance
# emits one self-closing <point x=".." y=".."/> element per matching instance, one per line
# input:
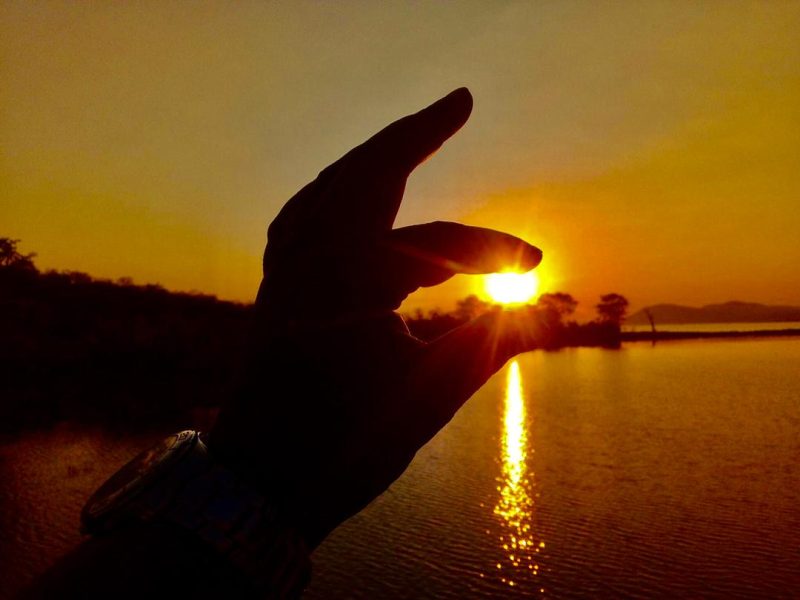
<point x="138" y="561"/>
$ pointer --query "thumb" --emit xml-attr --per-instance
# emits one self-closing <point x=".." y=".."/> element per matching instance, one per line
<point x="456" y="365"/>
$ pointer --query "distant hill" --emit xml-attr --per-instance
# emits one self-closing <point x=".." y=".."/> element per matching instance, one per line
<point x="728" y="312"/>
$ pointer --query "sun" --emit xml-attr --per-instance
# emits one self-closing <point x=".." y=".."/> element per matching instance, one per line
<point x="512" y="288"/>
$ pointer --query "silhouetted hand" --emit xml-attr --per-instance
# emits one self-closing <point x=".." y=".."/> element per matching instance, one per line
<point x="338" y="396"/>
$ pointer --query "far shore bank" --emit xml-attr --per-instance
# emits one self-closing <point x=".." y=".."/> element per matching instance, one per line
<point x="657" y="336"/>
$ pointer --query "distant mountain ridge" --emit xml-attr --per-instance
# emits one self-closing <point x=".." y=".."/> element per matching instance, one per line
<point x="727" y="312"/>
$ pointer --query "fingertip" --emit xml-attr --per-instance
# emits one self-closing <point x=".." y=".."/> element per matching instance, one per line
<point x="530" y="257"/>
<point x="464" y="97"/>
<point x="520" y="258"/>
<point x="457" y="105"/>
<point x="465" y="102"/>
<point x="461" y="95"/>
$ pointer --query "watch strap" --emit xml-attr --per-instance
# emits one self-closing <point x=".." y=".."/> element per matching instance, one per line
<point x="225" y="513"/>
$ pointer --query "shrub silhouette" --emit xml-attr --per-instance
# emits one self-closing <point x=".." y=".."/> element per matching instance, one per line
<point x="75" y="347"/>
<point x="612" y="308"/>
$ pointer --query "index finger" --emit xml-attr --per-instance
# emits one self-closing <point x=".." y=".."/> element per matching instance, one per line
<point x="365" y="194"/>
<point x="407" y="142"/>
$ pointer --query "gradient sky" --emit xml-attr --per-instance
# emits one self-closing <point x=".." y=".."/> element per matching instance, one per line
<point x="651" y="149"/>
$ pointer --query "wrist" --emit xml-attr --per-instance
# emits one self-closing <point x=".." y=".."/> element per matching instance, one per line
<point x="247" y="465"/>
<point x="178" y="483"/>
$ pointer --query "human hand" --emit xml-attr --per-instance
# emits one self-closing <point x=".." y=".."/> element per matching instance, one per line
<point x="338" y="396"/>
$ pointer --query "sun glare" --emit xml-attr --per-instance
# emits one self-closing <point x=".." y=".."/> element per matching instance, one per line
<point x="512" y="288"/>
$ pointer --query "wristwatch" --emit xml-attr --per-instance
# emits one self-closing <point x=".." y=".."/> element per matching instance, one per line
<point x="177" y="481"/>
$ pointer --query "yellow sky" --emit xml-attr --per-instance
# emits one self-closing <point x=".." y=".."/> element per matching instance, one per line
<point x="651" y="149"/>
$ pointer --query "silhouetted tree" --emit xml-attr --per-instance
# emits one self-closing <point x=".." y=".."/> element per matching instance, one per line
<point x="76" y="347"/>
<point x="612" y="308"/>
<point x="559" y="303"/>
<point x="77" y="277"/>
<point x="650" y="318"/>
<point x="11" y="258"/>
<point x="471" y="307"/>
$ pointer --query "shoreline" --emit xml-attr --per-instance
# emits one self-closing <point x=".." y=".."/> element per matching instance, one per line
<point x="658" y="336"/>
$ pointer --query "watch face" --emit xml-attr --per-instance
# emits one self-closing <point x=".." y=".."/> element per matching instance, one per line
<point x="135" y="476"/>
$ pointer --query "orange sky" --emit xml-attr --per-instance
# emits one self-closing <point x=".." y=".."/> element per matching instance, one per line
<point x="651" y="149"/>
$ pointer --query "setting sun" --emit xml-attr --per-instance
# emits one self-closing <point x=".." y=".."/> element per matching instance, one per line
<point x="512" y="288"/>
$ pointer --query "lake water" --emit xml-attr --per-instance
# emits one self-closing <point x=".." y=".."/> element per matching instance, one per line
<point x="651" y="471"/>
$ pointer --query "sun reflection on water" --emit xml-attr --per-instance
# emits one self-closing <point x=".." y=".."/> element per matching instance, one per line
<point x="516" y="502"/>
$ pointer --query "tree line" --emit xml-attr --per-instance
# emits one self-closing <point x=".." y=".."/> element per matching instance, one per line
<point x="76" y="347"/>
<point x="551" y="314"/>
